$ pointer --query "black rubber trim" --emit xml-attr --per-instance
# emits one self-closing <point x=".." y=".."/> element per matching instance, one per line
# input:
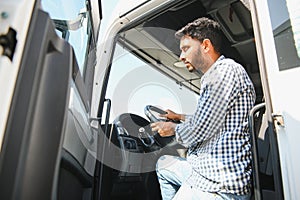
<point x="69" y="163"/>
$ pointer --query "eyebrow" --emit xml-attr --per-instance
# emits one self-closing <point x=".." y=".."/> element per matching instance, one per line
<point x="184" y="46"/>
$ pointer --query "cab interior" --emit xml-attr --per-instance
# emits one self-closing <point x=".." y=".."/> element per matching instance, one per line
<point x="152" y="40"/>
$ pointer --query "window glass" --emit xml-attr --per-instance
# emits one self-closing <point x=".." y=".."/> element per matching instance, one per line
<point x="73" y="24"/>
<point x="285" y="19"/>
<point x="133" y="84"/>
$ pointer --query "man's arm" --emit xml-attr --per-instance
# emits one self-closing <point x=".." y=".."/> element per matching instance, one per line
<point x="211" y="109"/>
<point x="168" y="128"/>
<point x="173" y="116"/>
<point x="164" y="128"/>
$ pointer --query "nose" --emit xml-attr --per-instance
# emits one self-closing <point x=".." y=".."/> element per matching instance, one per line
<point x="182" y="56"/>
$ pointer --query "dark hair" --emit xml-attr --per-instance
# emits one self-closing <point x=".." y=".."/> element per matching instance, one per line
<point x="203" y="28"/>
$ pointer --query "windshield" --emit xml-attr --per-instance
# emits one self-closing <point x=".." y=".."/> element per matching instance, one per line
<point x="133" y="84"/>
<point x="73" y="24"/>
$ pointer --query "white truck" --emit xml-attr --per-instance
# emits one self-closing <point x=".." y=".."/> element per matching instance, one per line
<point x="75" y="108"/>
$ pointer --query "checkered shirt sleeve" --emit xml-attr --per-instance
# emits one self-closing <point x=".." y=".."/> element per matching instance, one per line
<point x="217" y="134"/>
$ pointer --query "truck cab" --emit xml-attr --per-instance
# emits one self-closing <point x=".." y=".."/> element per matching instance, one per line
<point x="77" y="106"/>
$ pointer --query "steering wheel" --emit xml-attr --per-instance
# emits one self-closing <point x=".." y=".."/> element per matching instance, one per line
<point x="162" y="141"/>
<point x="134" y="126"/>
<point x="149" y="113"/>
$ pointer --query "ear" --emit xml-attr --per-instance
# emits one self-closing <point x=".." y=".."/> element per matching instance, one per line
<point x="207" y="45"/>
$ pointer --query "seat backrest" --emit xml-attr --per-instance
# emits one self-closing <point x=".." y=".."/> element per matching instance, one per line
<point x="263" y="176"/>
<point x="263" y="144"/>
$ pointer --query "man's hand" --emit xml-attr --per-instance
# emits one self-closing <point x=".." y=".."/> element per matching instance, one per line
<point x="173" y="116"/>
<point x="164" y="129"/>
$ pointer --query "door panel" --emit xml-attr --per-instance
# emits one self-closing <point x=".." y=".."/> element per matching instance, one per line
<point x="33" y="138"/>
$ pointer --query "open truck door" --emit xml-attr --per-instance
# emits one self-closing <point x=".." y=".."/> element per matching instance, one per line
<point x="47" y="60"/>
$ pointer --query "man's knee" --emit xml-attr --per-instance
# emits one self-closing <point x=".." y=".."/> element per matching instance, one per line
<point x="160" y="165"/>
<point x="168" y="164"/>
<point x="166" y="161"/>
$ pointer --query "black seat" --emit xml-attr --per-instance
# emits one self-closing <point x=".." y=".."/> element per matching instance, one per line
<point x="266" y="185"/>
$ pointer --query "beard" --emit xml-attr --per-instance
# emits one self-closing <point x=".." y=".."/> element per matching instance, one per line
<point x="197" y="65"/>
<point x="193" y="69"/>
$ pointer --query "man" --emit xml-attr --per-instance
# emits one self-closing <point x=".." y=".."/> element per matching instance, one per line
<point x="218" y="164"/>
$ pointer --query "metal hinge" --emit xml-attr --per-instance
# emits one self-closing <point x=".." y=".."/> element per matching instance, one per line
<point x="278" y="119"/>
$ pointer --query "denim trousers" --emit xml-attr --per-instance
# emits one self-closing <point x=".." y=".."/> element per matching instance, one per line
<point x="172" y="173"/>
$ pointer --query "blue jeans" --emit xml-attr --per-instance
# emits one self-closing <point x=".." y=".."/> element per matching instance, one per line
<point x="172" y="172"/>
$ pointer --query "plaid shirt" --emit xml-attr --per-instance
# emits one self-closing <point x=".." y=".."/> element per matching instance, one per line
<point x="217" y="134"/>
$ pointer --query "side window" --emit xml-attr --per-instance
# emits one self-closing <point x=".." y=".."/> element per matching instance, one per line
<point x="72" y="21"/>
<point x="285" y="18"/>
<point x="133" y="84"/>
